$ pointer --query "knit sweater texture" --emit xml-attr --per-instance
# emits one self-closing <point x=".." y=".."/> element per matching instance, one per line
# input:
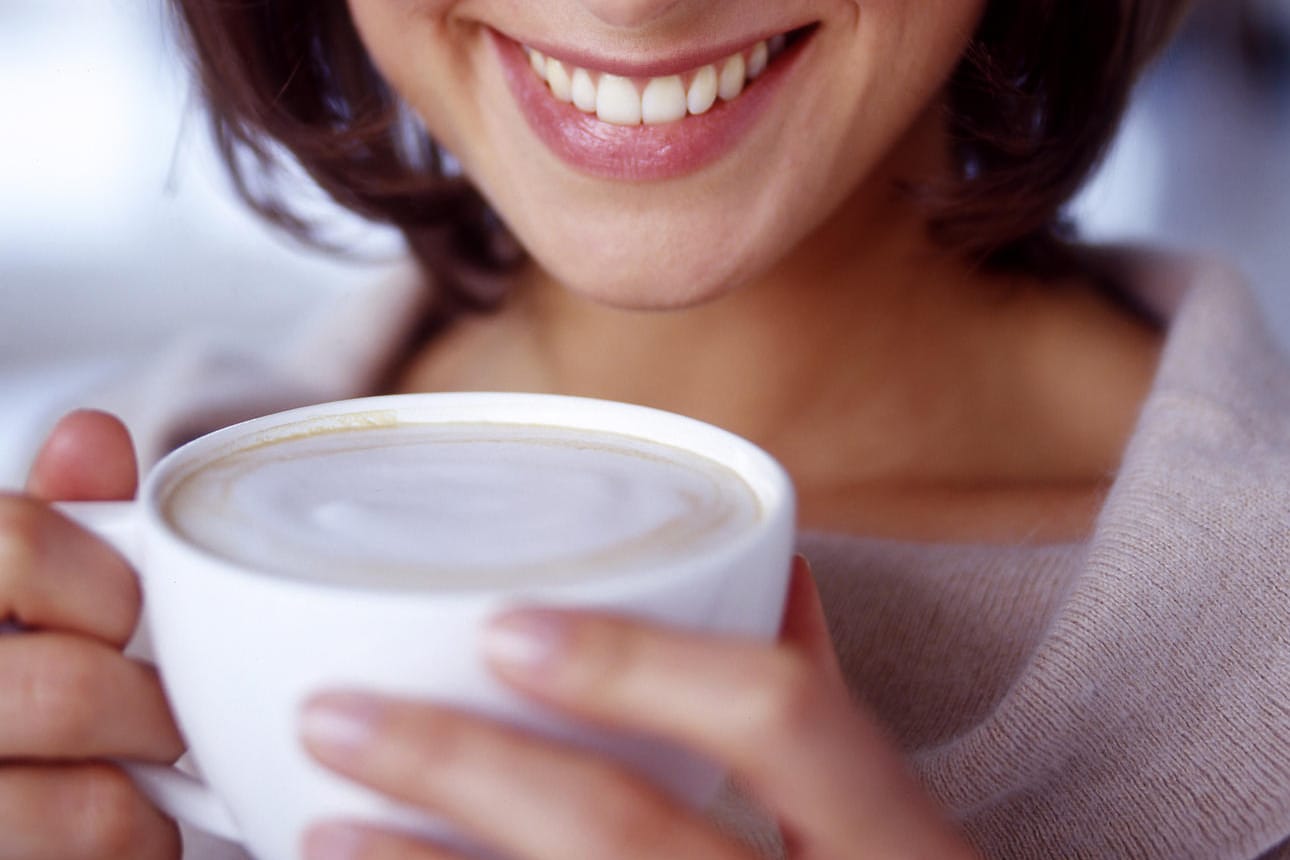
<point x="1127" y="696"/>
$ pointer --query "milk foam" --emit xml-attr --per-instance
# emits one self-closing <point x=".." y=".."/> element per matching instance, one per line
<point x="458" y="506"/>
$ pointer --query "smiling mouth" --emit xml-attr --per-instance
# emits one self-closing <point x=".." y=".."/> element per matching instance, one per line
<point x="632" y="101"/>
<point x="649" y="120"/>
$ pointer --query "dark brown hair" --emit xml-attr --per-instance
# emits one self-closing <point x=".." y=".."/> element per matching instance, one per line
<point x="1032" y="107"/>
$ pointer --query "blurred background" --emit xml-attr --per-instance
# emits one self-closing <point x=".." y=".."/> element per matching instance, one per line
<point x="118" y="233"/>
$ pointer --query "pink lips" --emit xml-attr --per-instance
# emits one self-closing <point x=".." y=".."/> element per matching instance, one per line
<point x="638" y="153"/>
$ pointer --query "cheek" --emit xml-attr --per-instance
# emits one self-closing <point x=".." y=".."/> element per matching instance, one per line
<point x="369" y="12"/>
<point x="415" y="46"/>
<point x="928" y="39"/>
<point x="408" y="40"/>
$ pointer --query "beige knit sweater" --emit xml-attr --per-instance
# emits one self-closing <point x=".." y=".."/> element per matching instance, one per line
<point x="1128" y="696"/>
<point x="1124" y="697"/>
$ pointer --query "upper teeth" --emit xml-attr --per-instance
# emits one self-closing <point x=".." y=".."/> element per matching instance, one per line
<point x="627" y="101"/>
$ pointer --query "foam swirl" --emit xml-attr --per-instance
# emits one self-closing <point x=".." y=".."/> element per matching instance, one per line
<point x="459" y="506"/>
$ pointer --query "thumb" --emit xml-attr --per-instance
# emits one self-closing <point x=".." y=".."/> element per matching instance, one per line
<point x="88" y="456"/>
<point x="804" y="626"/>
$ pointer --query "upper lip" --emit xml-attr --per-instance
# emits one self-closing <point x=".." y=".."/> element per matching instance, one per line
<point x="670" y="62"/>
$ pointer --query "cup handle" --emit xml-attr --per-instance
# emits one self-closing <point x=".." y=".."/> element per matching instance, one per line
<point x="112" y="521"/>
<point x="183" y="796"/>
<point x="175" y="792"/>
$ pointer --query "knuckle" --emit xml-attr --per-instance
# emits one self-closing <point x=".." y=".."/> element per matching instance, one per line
<point x="629" y="814"/>
<point x="61" y="689"/>
<point x="785" y="699"/>
<point x="20" y="542"/>
<point x="606" y="659"/>
<point x="445" y="743"/>
<point x="113" y="819"/>
<point x="418" y="746"/>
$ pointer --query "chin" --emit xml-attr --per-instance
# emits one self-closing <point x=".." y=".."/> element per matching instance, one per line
<point x="641" y="277"/>
<point x="627" y="258"/>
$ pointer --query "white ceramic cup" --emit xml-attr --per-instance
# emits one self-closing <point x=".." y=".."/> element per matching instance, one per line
<point x="240" y="651"/>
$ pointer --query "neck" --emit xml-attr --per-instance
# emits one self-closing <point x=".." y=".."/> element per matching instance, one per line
<point x="839" y="331"/>
<point x="868" y="359"/>
<point x="854" y="330"/>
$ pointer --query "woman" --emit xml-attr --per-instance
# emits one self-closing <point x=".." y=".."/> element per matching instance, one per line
<point x="1043" y="487"/>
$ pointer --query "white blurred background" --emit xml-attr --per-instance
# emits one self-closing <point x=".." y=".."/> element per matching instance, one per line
<point x="118" y="232"/>
<point x="117" y="228"/>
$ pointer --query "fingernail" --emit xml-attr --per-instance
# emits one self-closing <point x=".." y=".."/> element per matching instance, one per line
<point x="340" y="722"/>
<point x="529" y="640"/>
<point x="334" y="842"/>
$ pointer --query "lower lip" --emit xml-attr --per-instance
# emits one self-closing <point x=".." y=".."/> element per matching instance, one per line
<point x="645" y="152"/>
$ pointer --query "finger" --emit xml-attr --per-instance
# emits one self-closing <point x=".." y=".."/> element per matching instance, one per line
<point x="359" y="842"/>
<point x="88" y="456"/>
<point x="773" y="715"/>
<point x="805" y="627"/>
<point x="577" y="661"/>
<point x="90" y="811"/>
<point x="558" y="803"/>
<point x="66" y="697"/>
<point x="55" y="575"/>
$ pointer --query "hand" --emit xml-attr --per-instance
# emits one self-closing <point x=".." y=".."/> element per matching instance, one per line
<point x="71" y="699"/>
<point x="780" y="717"/>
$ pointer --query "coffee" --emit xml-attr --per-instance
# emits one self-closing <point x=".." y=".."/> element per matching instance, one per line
<point x="459" y="505"/>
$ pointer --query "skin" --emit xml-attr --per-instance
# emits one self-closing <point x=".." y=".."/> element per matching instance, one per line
<point x="71" y="698"/>
<point x="687" y="241"/>
<point x="908" y="394"/>
<point x="780" y="718"/>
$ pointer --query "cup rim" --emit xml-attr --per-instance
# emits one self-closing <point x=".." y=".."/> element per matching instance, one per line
<point x="767" y="479"/>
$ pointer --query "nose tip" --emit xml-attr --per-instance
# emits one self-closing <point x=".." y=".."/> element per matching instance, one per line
<point x="629" y="13"/>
